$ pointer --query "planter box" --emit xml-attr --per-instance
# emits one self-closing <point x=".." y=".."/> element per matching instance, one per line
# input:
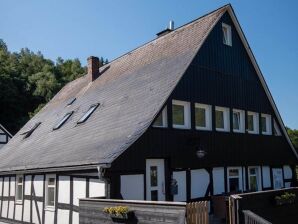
<point x="283" y="201"/>
<point x="121" y="218"/>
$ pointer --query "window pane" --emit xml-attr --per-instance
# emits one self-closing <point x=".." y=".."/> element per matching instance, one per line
<point x="88" y="113"/>
<point x="225" y="35"/>
<point x="236" y="120"/>
<point x="153" y="176"/>
<point x="154" y="195"/>
<point x="178" y="114"/>
<point x="234" y="184"/>
<point x="250" y="122"/>
<point x="51" y="181"/>
<point x="158" y="121"/>
<point x="19" y="192"/>
<point x="200" y="114"/>
<point x="51" y="196"/>
<point x="253" y="185"/>
<point x="62" y="121"/>
<point x="233" y="172"/>
<point x="219" y="119"/>
<point x="263" y="124"/>
<point x="252" y="171"/>
<point x="20" y="180"/>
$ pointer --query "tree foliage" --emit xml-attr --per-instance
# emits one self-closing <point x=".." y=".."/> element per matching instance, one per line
<point x="28" y="81"/>
<point x="293" y="134"/>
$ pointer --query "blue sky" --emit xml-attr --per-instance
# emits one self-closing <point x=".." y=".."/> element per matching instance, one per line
<point x="80" y="28"/>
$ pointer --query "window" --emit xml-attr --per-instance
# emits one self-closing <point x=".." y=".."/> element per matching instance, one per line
<point x="203" y="117"/>
<point x="276" y="129"/>
<point x="50" y="191"/>
<point x="234" y="179"/>
<point x="238" y="121"/>
<point x="181" y="114"/>
<point x="71" y="101"/>
<point x="88" y="113"/>
<point x="253" y="178"/>
<point x="252" y="122"/>
<point x="227" y="34"/>
<point x="63" y="120"/>
<point x="19" y="188"/>
<point x="266" y="124"/>
<point x="222" y="121"/>
<point x="28" y="133"/>
<point x="161" y="120"/>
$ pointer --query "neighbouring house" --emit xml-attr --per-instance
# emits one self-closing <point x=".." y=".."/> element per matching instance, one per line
<point x="183" y="117"/>
<point x="5" y="136"/>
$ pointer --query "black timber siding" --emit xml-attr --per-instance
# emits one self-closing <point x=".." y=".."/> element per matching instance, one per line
<point x="223" y="76"/>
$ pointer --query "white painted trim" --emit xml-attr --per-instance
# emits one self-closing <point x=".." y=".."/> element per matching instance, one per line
<point x="241" y="121"/>
<point x="187" y="116"/>
<point x="239" y="168"/>
<point x="228" y="34"/>
<point x="260" y="75"/>
<point x="49" y="207"/>
<point x="208" y="116"/>
<point x="226" y="118"/>
<point x="268" y="124"/>
<point x="256" y="122"/>
<point x="258" y="174"/>
<point x="164" y="115"/>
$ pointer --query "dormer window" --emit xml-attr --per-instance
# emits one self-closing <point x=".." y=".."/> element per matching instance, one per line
<point x="88" y="113"/>
<point x="28" y="133"/>
<point x="161" y="119"/>
<point x="227" y="34"/>
<point x="63" y="120"/>
<point x="266" y="124"/>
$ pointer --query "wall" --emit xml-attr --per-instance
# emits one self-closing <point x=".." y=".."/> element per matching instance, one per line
<point x="69" y="188"/>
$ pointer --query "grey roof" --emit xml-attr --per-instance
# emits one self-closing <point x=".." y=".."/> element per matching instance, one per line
<point x="131" y="92"/>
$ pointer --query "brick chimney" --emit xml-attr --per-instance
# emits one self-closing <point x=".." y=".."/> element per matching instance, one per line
<point x="93" y="68"/>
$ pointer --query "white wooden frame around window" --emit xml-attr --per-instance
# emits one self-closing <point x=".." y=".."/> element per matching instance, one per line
<point x="255" y="123"/>
<point x="186" y="106"/>
<point x="164" y="116"/>
<point x="227" y="35"/>
<point x="258" y="175"/>
<point x="241" y="121"/>
<point x="240" y="186"/>
<point x="226" y="118"/>
<point x="268" y="124"/>
<point x="19" y="200"/>
<point x="50" y="207"/>
<point x="208" y="116"/>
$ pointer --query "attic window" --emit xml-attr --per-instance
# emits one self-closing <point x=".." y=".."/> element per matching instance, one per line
<point x="227" y="34"/>
<point x="88" y="113"/>
<point x="71" y="101"/>
<point x="276" y="129"/>
<point x="28" y="133"/>
<point x="63" y="120"/>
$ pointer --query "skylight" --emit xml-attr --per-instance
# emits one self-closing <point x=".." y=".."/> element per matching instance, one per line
<point x="29" y="132"/>
<point x="88" y="113"/>
<point x="71" y="101"/>
<point x="63" y="120"/>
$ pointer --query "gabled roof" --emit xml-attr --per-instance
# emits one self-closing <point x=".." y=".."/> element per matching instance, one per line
<point x="131" y="91"/>
<point x="7" y="132"/>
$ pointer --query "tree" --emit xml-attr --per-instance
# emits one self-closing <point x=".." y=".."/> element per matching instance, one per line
<point x="293" y="134"/>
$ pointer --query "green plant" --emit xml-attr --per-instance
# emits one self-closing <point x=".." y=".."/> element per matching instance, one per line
<point x="286" y="196"/>
<point x="117" y="210"/>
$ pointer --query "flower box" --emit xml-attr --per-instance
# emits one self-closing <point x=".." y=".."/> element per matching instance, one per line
<point x="284" y="199"/>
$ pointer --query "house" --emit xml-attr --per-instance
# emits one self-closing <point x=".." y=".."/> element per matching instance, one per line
<point x="5" y="136"/>
<point x="185" y="116"/>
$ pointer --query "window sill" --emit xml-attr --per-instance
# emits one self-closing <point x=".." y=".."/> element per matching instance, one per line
<point x="154" y="126"/>
<point x="253" y="132"/>
<point x="222" y="130"/>
<point x="238" y="131"/>
<point x="203" y="129"/>
<point x="266" y="133"/>
<point x="180" y="127"/>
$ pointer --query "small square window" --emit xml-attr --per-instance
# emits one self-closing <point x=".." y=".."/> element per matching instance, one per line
<point x="227" y="34"/>
<point x="238" y="121"/>
<point x="161" y="120"/>
<point x="50" y="191"/>
<point x="252" y="122"/>
<point x="19" y="188"/>
<point x="266" y="124"/>
<point x="222" y="120"/>
<point x="203" y="117"/>
<point x="181" y="114"/>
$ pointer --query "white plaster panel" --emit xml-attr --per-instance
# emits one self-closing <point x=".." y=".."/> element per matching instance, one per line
<point x="18" y="212"/>
<point x="28" y="184"/>
<point x="79" y="189"/>
<point x="64" y="189"/>
<point x="132" y="187"/>
<point x="180" y="177"/>
<point x="63" y="216"/>
<point x="4" y="209"/>
<point x="27" y="210"/>
<point x="12" y="186"/>
<point x="6" y="186"/>
<point x="287" y="172"/>
<point x="36" y="211"/>
<point x="199" y="183"/>
<point x="38" y="185"/>
<point x="266" y="176"/>
<point x="11" y="208"/>
<point x="75" y="218"/>
<point x="49" y="217"/>
<point x="218" y="180"/>
<point x="97" y="188"/>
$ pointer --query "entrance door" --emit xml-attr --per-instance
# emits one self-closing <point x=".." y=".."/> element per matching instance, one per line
<point x="278" y="182"/>
<point x="155" y="179"/>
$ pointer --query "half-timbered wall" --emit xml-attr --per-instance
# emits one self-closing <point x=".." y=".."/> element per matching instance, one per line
<point x="32" y="209"/>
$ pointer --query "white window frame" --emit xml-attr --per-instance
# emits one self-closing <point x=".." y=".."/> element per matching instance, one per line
<point x="228" y="34"/>
<point x="241" y="121"/>
<point x="256" y="125"/>
<point x="208" y="116"/>
<point x="268" y="124"/>
<point x="19" y="201"/>
<point x="276" y="128"/>
<point x="164" y="116"/>
<point x="50" y="207"/>
<point x="186" y="106"/>
<point x="226" y="118"/>
<point x="240" y="186"/>
<point x="258" y="175"/>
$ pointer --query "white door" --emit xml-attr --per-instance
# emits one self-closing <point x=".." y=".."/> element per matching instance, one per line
<point x="155" y="179"/>
<point x="278" y="182"/>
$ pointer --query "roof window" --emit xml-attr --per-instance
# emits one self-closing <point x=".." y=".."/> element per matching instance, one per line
<point x="71" y="101"/>
<point x="91" y="109"/>
<point x="63" y="120"/>
<point x="29" y="132"/>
